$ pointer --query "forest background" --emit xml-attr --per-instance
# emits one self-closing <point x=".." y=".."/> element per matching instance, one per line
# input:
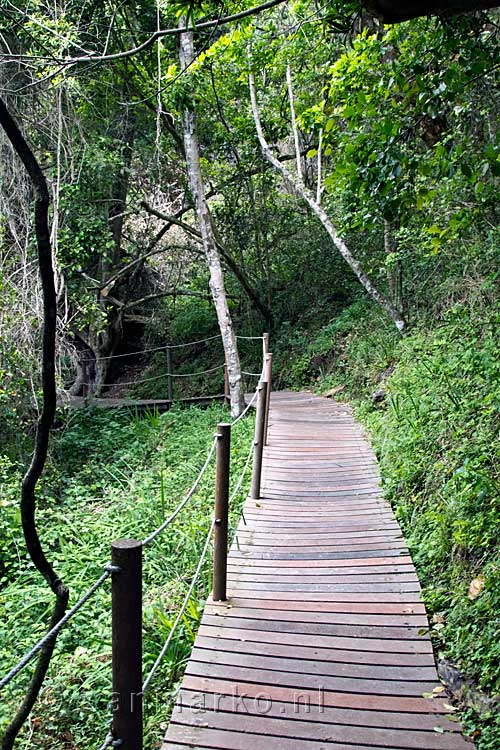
<point x="380" y="140"/>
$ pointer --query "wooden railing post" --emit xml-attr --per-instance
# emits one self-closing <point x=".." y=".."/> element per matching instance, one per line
<point x="126" y="554"/>
<point x="170" y="379"/>
<point x="268" y="377"/>
<point x="259" y="440"/>
<point x="223" y="457"/>
<point x="265" y="344"/>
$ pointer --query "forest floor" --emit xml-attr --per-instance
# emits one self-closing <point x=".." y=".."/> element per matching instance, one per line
<point x="113" y="474"/>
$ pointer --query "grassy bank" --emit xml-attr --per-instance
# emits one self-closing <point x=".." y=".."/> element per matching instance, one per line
<point x="435" y="426"/>
<point x="112" y="475"/>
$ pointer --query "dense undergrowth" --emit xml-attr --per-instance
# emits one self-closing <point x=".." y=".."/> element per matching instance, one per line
<point x="112" y="475"/>
<point x="435" y="425"/>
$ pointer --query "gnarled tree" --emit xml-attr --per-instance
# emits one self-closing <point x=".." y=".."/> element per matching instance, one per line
<point x="36" y="467"/>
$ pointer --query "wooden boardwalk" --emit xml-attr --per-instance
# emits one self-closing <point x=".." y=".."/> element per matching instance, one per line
<point x="323" y="641"/>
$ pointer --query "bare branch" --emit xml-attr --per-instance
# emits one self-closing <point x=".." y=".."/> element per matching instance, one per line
<point x="308" y="197"/>
<point x="295" y="130"/>
<point x="95" y="58"/>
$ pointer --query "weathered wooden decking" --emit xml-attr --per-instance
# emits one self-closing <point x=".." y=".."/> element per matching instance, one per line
<point x="321" y="642"/>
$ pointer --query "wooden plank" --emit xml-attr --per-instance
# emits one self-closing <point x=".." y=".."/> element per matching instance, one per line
<point x="319" y="698"/>
<point x="302" y="681"/>
<point x="328" y="641"/>
<point x="345" y="607"/>
<point x="277" y="662"/>
<point x="237" y="577"/>
<point x="316" y="562"/>
<point x="313" y="732"/>
<point x="217" y="701"/>
<point x="329" y="618"/>
<point x="332" y="656"/>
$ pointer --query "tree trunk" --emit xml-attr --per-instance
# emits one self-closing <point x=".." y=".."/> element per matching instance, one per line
<point x="106" y="342"/>
<point x="395" y="315"/>
<point x="295" y="130"/>
<point x="192" y="149"/>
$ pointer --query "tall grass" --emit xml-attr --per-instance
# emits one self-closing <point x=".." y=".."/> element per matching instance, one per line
<point x="113" y="475"/>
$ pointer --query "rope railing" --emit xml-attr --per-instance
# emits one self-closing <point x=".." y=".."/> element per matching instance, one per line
<point x="57" y="627"/>
<point x="128" y="682"/>
<point x="245" y="410"/>
<point x="125" y="569"/>
<point x="182" y="610"/>
<point x="109" y="741"/>
<point x="165" y="347"/>
<point x="154" y="349"/>
<point x="185" y="499"/>
<point x="195" y="578"/>
<point x="166" y="375"/>
<point x="237" y="488"/>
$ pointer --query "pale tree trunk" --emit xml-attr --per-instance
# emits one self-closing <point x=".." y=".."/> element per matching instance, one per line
<point x="295" y="130"/>
<point x="319" y="182"/>
<point x="395" y="315"/>
<point x="192" y="149"/>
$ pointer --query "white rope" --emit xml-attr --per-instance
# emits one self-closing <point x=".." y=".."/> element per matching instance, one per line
<point x="201" y="372"/>
<point x="251" y="374"/>
<point x="107" y="742"/>
<point x="251" y="402"/>
<point x="185" y="500"/>
<point x="192" y="343"/>
<point x="133" y="382"/>
<point x="156" y="349"/>
<point x="164" y="375"/>
<point x="251" y="338"/>
<point x="246" y="410"/>
<point x="181" y="611"/>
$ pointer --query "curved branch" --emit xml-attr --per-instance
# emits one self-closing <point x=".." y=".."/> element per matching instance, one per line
<point x="306" y="195"/>
<point x="176" y="31"/>
<point x="35" y="469"/>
